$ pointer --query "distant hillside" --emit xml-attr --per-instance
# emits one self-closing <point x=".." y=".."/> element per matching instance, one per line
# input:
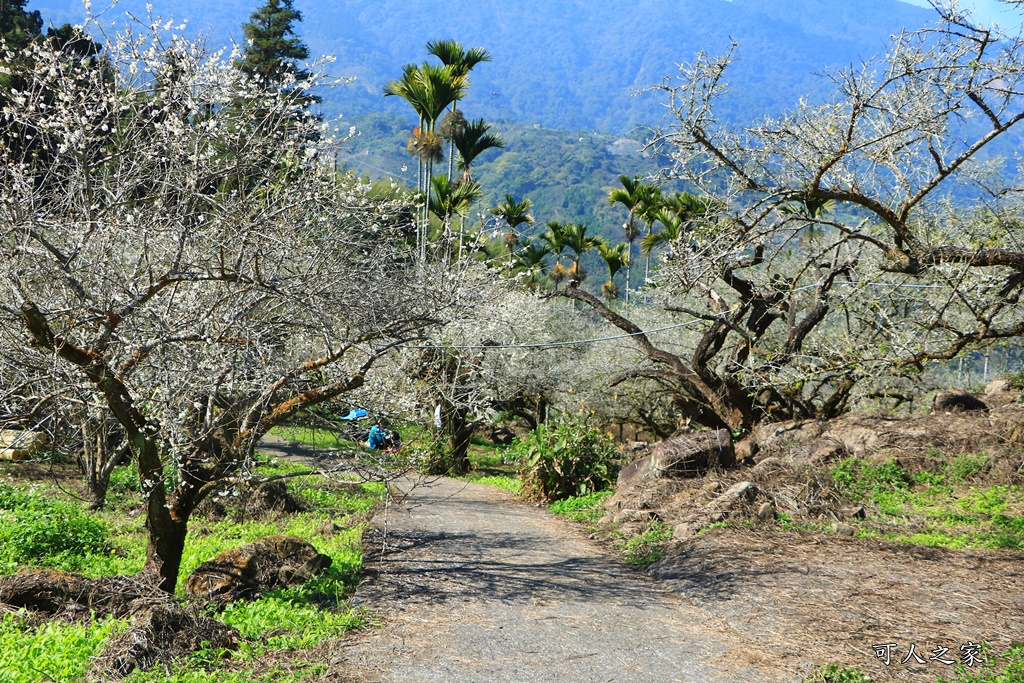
<point x="566" y="175"/>
<point x="569" y="64"/>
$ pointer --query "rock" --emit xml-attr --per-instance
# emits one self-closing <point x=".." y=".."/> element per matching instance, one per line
<point x="766" y="512"/>
<point x="243" y="572"/>
<point x="717" y="510"/>
<point x="623" y="516"/>
<point x="1000" y="386"/>
<point x="746" y="451"/>
<point x="686" y="530"/>
<point x="690" y="455"/>
<point x="744" y="491"/>
<point x="628" y="516"/>
<point x="160" y="633"/>
<point x="327" y="528"/>
<point x="766" y="465"/>
<point x="827" y="453"/>
<point x="854" y="512"/>
<point x="711" y="488"/>
<point x="957" y="402"/>
<point x="16" y="444"/>
<point x="636" y="448"/>
<point x="632" y="472"/>
<point x="841" y="529"/>
<point x="615" y="503"/>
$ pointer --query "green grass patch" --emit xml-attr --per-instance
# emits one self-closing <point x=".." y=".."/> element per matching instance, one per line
<point x="42" y="530"/>
<point x="33" y="533"/>
<point x="587" y="508"/>
<point x="833" y="673"/>
<point x="939" y="507"/>
<point x="287" y="619"/>
<point x="203" y="667"/>
<point x="511" y="484"/>
<point x="317" y="437"/>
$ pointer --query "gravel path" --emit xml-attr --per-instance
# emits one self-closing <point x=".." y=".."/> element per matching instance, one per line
<point x="472" y="585"/>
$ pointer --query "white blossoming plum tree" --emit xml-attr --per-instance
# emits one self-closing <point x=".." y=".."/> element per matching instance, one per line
<point x="174" y="252"/>
<point x="855" y="241"/>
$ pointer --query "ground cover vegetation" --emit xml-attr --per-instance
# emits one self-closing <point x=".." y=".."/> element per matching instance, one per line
<point x="43" y="528"/>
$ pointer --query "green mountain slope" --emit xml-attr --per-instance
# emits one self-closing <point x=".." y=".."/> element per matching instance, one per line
<point x="566" y="175"/>
<point x="569" y="64"/>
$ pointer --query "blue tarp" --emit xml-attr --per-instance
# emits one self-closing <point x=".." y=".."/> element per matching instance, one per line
<point x="355" y="414"/>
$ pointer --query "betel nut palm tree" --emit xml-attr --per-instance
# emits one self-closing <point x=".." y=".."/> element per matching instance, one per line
<point x="429" y="89"/>
<point x="616" y="259"/>
<point x="475" y="139"/>
<point x="461" y="61"/>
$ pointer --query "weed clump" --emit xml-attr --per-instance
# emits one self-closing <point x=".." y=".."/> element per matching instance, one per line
<point x="833" y="673"/>
<point x="587" y="508"/>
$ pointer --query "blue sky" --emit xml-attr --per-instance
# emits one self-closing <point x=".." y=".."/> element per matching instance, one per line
<point x="989" y="11"/>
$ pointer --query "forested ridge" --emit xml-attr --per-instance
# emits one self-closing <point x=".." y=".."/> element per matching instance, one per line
<point x="568" y="65"/>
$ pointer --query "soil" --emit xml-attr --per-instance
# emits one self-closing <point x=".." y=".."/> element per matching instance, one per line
<point x="813" y="598"/>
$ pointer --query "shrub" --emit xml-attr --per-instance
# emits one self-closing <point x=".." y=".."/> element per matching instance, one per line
<point x="570" y="457"/>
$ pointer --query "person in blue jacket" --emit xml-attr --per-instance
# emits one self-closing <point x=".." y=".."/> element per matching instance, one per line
<point x="376" y="437"/>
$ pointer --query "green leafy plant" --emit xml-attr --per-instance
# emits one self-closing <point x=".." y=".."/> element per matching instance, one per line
<point x="569" y="457"/>
<point x="287" y="619"/>
<point x="53" y="651"/>
<point x="124" y="479"/>
<point x="966" y="466"/>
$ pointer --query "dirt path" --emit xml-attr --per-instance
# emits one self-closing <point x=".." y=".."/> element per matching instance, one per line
<point x="473" y="586"/>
